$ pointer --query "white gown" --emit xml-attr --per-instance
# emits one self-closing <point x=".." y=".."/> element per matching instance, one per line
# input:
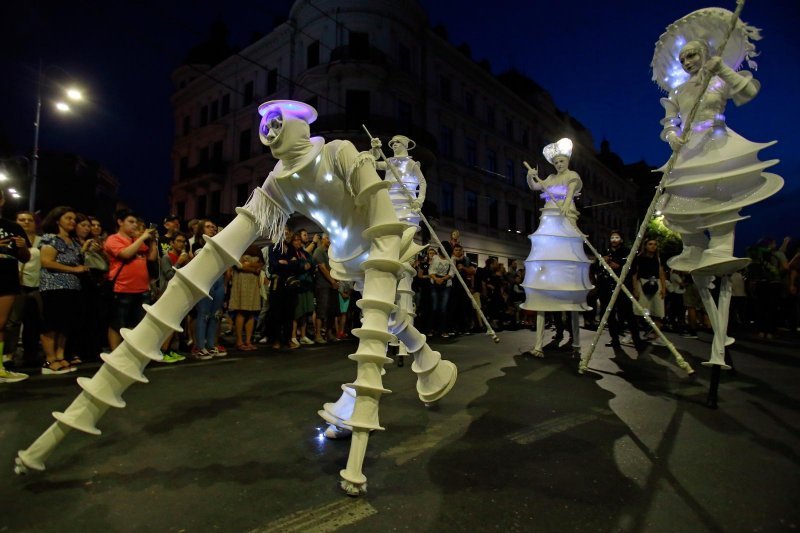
<point x="557" y="269"/>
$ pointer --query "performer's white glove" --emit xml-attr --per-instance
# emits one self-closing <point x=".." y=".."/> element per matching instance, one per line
<point x="675" y="141"/>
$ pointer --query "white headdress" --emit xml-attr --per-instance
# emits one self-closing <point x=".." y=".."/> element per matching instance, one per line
<point x="560" y="147"/>
<point x="709" y="25"/>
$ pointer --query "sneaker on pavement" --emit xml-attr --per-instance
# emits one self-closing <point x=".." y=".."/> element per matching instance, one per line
<point x="320" y="340"/>
<point x="293" y="342"/>
<point x="262" y="340"/>
<point x="7" y="376"/>
<point x="201" y="354"/>
<point x="218" y="351"/>
<point x="306" y="340"/>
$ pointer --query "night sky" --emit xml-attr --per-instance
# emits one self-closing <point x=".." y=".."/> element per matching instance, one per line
<point x="593" y="57"/>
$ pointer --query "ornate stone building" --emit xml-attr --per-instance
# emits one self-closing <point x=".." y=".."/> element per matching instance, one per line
<point x="380" y="64"/>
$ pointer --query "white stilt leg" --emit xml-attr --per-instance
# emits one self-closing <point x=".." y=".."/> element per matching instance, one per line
<point x="538" y="348"/>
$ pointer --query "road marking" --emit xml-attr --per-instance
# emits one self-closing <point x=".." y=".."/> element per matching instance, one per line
<point x="433" y="435"/>
<point x="328" y="517"/>
<point x="555" y="426"/>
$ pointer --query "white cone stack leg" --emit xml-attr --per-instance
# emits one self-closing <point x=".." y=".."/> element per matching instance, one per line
<point x="125" y="364"/>
<point x="715" y="315"/>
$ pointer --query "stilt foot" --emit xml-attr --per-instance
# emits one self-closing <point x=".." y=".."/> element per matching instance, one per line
<point x="538" y="353"/>
<point x="336" y="433"/>
<point x="353" y="489"/>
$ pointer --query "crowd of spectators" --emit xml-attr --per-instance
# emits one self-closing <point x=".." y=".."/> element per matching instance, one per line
<point x="69" y="290"/>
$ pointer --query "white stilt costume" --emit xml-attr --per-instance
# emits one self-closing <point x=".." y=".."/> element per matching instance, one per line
<point x="339" y="189"/>
<point x="716" y="172"/>
<point x="407" y="196"/>
<point x="407" y="210"/>
<point x="557" y="269"/>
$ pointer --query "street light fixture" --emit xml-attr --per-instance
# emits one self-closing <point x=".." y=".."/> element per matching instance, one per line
<point x="73" y="94"/>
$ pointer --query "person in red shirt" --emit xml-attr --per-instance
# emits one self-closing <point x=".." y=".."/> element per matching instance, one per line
<point x="128" y="254"/>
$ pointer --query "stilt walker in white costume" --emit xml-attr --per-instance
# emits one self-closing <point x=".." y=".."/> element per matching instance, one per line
<point x="557" y="269"/>
<point x="407" y="196"/>
<point x="715" y="172"/>
<point x="339" y="189"/>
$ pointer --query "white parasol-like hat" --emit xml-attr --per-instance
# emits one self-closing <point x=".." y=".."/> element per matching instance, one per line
<point x="709" y="25"/>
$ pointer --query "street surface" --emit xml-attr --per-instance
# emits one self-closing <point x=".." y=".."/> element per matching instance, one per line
<point x="520" y="444"/>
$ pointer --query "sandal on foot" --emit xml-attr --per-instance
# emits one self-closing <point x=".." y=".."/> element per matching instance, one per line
<point x="54" y="367"/>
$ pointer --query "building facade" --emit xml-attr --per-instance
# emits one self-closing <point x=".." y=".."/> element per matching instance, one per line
<point x="380" y="64"/>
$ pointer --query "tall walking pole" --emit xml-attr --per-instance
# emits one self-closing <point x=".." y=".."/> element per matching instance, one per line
<point x="489" y="331"/>
<point x="659" y="191"/>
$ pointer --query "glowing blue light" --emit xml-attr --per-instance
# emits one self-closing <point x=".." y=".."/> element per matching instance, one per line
<point x="312" y="196"/>
<point x="321" y="437"/>
<point x="318" y="158"/>
<point x="328" y="177"/>
<point x="299" y="197"/>
<point x="296" y="175"/>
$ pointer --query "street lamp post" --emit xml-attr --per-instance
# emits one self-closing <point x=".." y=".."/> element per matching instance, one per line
<point x="72" y="94"/>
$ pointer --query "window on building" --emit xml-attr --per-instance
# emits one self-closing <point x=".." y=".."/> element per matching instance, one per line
<point x="359" y="45"/>
<point x="446" y="88"/>
<point x="469" y="103"/>
<point x="404" y="113"/>
<point x="510" y="171"/>
<point x="491" y="160"/>
<point x="471" y="152"/>
<point x="242" y="193"/>
<point x="404" y="57"/>
<point x="204" y="115"/>
<point x="312" y="55"/>
<point x="528" y="221"/>
<point x="446" y="140"/>
<point x="214" y="111"/>
<point x="216" y="203"/>
<point x="492" y="212"/>
<point x="357" y="104"/>
<point x="272" y="80"/>
<point x="183" y="167"/>
<point x="201" y="206"/>
<point x="186" y="125"/>
<point x="512" y="217"/>
<point x="204" y="154"/>
<point x="225" y="108"/>
<point x="249" y="93"/>
<point x="471" y="200"/>
<point x="447" y="199"/>
<point x="216" y="151"/>
<point x="245" y="138"/>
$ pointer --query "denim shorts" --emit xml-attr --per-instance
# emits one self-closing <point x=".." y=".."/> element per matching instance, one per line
<point x="126" y="310"/>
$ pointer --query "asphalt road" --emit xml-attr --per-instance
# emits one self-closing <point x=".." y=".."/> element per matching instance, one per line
<point x="520" y="444"/>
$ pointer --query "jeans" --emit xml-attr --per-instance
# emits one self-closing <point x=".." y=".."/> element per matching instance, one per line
<point x="207" y="322"/>
<point x="440" y="294"/>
